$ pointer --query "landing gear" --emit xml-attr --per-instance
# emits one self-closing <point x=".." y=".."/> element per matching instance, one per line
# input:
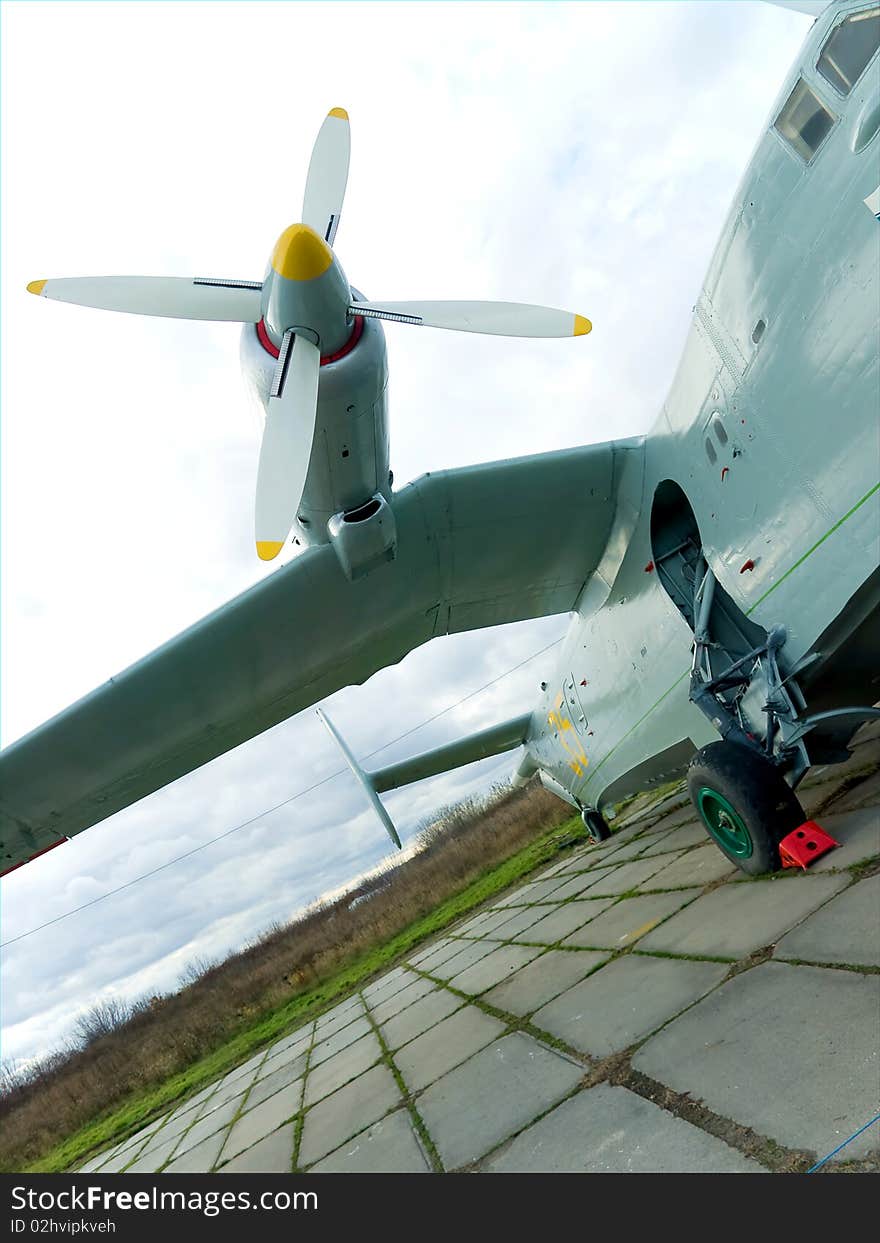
<point x="596" y="825"/>
<point x="744" y="803"/>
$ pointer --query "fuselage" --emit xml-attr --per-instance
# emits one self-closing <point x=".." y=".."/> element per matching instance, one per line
<point x="770" y="431"/>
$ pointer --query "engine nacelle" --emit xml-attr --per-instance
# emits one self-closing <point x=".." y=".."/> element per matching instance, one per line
<point x="349" y="465"/>
<point x="365" y="537"/>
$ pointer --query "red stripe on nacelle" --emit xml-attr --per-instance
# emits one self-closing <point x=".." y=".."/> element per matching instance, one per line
<point x="352" y="341"/>
<point x="266" y="341"/>
<point x="271" y="348"/>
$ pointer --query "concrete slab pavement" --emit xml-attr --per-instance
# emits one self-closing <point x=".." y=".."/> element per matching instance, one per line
<point x="789" y="1051"/>
<point x="654" y="1035"/>
<point x="826" y="936"/>
<point x="554" y="972"/>
<point x="347" y="1112"/>
<point x="563" y="920"/>
<point x="262" y="1120"/>
<point x="608" y="1130"/>
<point x="631" y="997"/>
<point x="347" y="1064"/>
<point x="743" y="916"/>
<point x="271" y="1155"/>
<point x="389" y="1146"/>
<point x="452" y="1041"/>
<point x="507" y="1085"/>
<point x="625" y="922"/>
<point x="424" y="1014"/>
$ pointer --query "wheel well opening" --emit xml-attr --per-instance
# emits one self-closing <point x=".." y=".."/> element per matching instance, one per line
<point x="679" y="558"/>
<point x="676" y="545"/>
<point x="672" y="518"/>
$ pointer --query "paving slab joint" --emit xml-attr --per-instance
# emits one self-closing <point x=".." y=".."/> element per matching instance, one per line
<point x="761" y="1148"/>
<point x="521" y="1023"/>
<point x="299" y="1120"/>
<point x="855" y="967"/>
<point x="479" y="1163"/>
<point x="865" y="869"/>
<point x="237" y="1115"/>
<point x="422" y="1134"/>
<point x="850" y="783"/>
<point x="870" y="1165"/>
<point x="764" y="954"/>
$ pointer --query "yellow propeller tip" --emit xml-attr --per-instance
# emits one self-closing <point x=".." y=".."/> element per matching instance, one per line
<point x="268" y="550"/>
<point x="581" y="326"/>
<point x="338" y="112"/>
<point x="36" y="286"/>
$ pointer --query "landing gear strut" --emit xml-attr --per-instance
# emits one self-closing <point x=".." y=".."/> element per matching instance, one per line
<point x="596" y="825"/>
<point x="750" y="691"/>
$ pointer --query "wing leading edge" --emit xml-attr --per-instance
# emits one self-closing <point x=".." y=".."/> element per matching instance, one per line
<point x="477" y="547"/>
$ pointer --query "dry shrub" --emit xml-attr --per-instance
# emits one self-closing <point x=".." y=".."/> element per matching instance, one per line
<point x="127" y="1049"/>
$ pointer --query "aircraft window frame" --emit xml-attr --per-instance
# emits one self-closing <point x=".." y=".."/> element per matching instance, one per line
<point x="791" y="131"/>
<point x="850" y="20"/>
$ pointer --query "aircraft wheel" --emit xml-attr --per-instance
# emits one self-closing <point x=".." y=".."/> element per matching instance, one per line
<point x="744" y="803"/>
<point x="596" y="825"/>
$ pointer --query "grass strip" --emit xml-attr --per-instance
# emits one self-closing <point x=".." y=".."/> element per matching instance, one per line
<point x="120" y="1122"/>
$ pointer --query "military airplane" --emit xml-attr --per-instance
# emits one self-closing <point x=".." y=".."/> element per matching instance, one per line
<point x="721" y="572"/>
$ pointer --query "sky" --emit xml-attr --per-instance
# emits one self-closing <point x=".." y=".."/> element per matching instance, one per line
<point x="572" y="154"/>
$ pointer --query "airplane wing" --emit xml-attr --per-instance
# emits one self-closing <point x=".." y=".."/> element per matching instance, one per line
<point x="477" y="547"/>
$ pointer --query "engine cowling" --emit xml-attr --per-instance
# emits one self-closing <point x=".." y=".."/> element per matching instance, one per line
<point x="349" y="465"/>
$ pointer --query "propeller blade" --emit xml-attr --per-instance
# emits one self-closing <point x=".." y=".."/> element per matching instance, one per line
<point x="500" y="319"/>
<point x="327" y="176"/>
<point x="287" y="442"/>
<point x="175" y="297"/>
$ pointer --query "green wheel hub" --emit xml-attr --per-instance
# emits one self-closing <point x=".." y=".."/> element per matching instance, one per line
<point x="724" y="823"/>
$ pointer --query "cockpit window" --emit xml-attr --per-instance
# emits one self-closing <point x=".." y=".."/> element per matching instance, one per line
<point x="804" y="121"/>
<point x="849" y="48"/>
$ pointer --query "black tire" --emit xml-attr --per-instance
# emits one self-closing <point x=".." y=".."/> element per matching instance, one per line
<point x="596" y="825"/>
<point x="744" y="804"/>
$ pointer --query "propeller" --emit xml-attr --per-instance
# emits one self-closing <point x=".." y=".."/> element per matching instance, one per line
<point x="327" y="176"/>
<point x="305" y="305"/>
<point x="174" y="297"/>
<point x="499" y="319"/>
<point x="287" y="442"/>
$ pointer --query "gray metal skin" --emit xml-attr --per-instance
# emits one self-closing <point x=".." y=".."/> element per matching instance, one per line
<point x="350" y="459"/>
<point x="793" y="489"/>
<point x="789" y="489"/>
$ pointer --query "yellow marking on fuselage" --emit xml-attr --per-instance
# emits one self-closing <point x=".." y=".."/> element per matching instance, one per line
<point x="578" y="761"/>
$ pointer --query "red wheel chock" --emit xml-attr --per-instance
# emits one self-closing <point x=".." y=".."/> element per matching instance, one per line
<point x="804" y="845"/>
